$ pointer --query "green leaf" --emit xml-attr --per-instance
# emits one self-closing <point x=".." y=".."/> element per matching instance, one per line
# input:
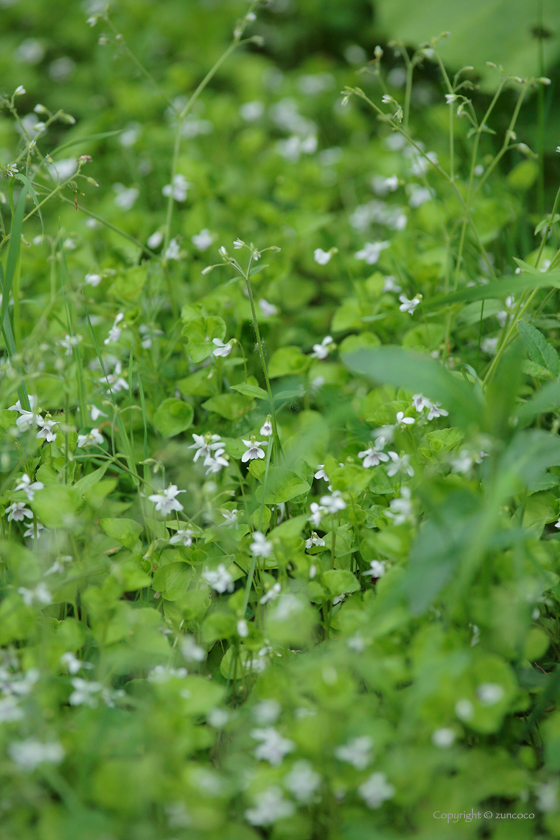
<point x="173" y="417"/>
<point x="249" y="390"/>
<point x="547" y="399"/>
<point x="340" y="581"/>
<point x="480" y="31"/>
<point x="125" y="531"/>
<point x="129" y="283"/>
<point x="286" y="361"/>
<point x="56" y="505"/>
<point x="420" y="374"/>
<point x="173" y="580"/>
<point x="538" y="348"/>
<point x="229" y="406"/>
<point x="218" y="625"/>
<point x="85" y="484"/>
<point x="290" y="529"/>
<point x="282" y="485"/>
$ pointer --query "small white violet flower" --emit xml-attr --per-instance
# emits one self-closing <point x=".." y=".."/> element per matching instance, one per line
<point x="322" y="257"/>
<point x="409" y="305"/>
<point x="29" y="487"/>
<point x="221" y="348"/>
<point x="321" y="351"/>
<point x="358" y="752"/>
<point x="184" y="536"/>
<point x="253" y="450"/>
<point x="375" y="790"/>
<point x="260" y="547"/>
<point x="219" y="579"/>
<point x="371" y="252"/>
<point x="333" y="503"/>
<point x="165" y="500"/>
<point x="273" y="746"/>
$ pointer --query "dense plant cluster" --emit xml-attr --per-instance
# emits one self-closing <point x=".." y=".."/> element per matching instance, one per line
<point x="279" y="449"/>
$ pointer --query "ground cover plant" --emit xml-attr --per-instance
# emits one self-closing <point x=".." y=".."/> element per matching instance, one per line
<point x="279" y="456"/>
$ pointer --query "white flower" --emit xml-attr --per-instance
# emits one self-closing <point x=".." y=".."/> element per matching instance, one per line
<point x="221" y="348"/>
<point x="266" y="428"/>
<point x="260" y="547"/>
<point x="173" y="250"/>
<point x="155" y="240"/>
<point x="332" y="504"/>
<point x="489" y="345"/>
<point x="408" y="305"/>
<point x="178" y="189"/>
<point x="371" y="252"/>
<point x="268" y="309"/>
<point x="302" y="781"/>
<point x="219" y="579"/>
<point x="375" y="790"/>
<point x="115" y="331"/>
<point x="161" y="674"/>
<point x="547" y="792"/>
<point x="443" y="738"/>
<point x="317" y="514"/>
<point x="450" y="98"/>
<point x="267" y="711"/>
<point x="376" y="569"/>
<point x="29" y="487"/>
<point x="251" y="111"/>
<point x="314" y="540"/>
<point x="372" y="457"/>
<point x="322" y="257"/>
<point x="383" y="436"/>
<point x="217" y="718"/>
<point x="202" y="240"/>
<point x="420" y="403"/>
<point x="9" y="710"/>
<point x="462" y="463"/>
<point x="253" y="450"/>
<point x="125" y="199"/>
<point x="400" y="464"/>
<point x="381" y="186"/>
<point x="464" y="709"/>
<point x="84" y="693"/>
<point x="489" y="693"/>
<point x="90" y="439"/>
<point x="114" y="380"/>
<point x="216" y="461"/>
<point x="321" y="351"/>
<point x="271" y="595"/>
<point x="356" y="752"/>
<point x="26" y="418"/>
<point x="273" y="746"/>
<point x="93" y="279"/>
<point x="74" y="665"/>
<point x="356" y="643"/>
<point x="39" y="595"/>
<point x="47" y="431"/>
<point x="34" y="530"/>
<point x="204" y="444"/>
<point x="403" y="421"/>
<point x="183" y="535"/>
<point x="30" y="753"/>
<point x="390" y="285"/>
<point x="230" y="517"/>
<point x="400" y="509"/>
<point x="68" y="342"/>
<point x="417" y="195"/>
<point x="165" y="500"/>
<point x="270" y="806"/>
<point x="17" y="511"/>
<point x="242" y="628"/>
<point x="321" y="472"/>
<point x="191" y="651"/>
<point x="437" y="411"/>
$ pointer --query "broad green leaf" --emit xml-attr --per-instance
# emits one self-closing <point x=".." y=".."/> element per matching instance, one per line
<point x="125" y="531"/>
<point x="173" y="580"/>
<point x="129" y="283"/>
<point x="56" y="505"/>
<point x="547" y="399"/>
<point x="287" y="361"/>
<point x="282" y="485"/>
<point x="85" y="484"/>
<point x="218" y="625"/>
<point x="289" y="529"/>
<point x="538" y="348"/>
<point x="229" y="406"/>
<point x="529" y="454"/>
<point x="249" y="390"/>
<point x="173" y="417"/>
<point x="420" y="374"/>
<point x="482" y="30"/>
<point x="536" y="371"/>
<point x="340" y="581"/>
